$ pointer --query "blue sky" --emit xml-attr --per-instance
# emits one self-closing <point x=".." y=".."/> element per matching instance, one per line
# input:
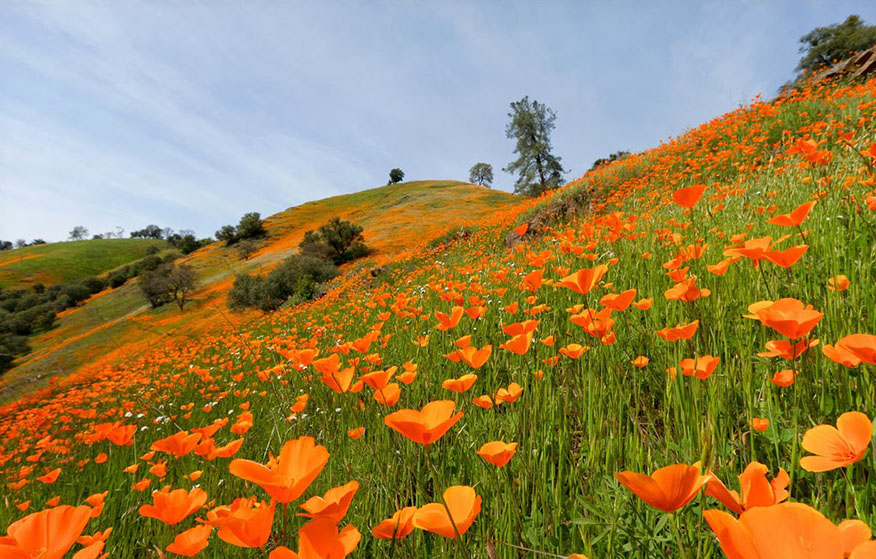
<point x="189" y="114"/>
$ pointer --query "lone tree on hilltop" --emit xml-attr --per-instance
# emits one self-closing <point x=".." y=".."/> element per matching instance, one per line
<point x="537" y="168"/>
<point x="78" y="233"/>
<point x="396" y="175"/>
<point x="825" y="45"/>
<point x="481" y="173"/>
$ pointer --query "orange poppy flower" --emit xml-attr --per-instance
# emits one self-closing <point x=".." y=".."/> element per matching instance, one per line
<point x="838" y="283"/>
<point x="784" y="378"/>
<point x="573" y="351"/>
<point x="786" y="258"/>
<point x="378" y="379"/>
<point x="679" y="332"/>
<point x="640" y="362"/>
<point x="852" y="350"/>
<point x="178" y="444"/>
<point x="618" y="301"/>
<point x="687" y="291"/>
<point x="47" y="534"/>
<point x="333" y="505"/>
<point x="509" y="394"/>
<point x="483" y="401"/>
<point x="702" y="367"/>
<point x="449" y="322"/>
<point x="225" y="451"/>
<point x="760" y="424"/>
<point x="287" y="477"/>
<point x="793" y="218"/>
<point x="837" y="447"/>
<point x="689" y="196"/>
<point x="855" y="533"/>
<point x="757" y="490"/>
<point x="50" y="477"/>
<point x="321" y="539"/>
<point x="339" y="381"/>
<point x="644" y="304"/>
<point x="784" y="530"/>
<point x="398" y="526"/>
<point x="356" y="433"/>
<point x="463" y="505"/>
<point x="787" y="350"/>
<point x="597" y="324"/>
<point x="789" y="317"/>
<point x="668" y="488"/>
<point x="389" y="395"/>
<point x="474" y="357"/>
<point x="866" y="550"/>
<point x="497" y="453"/>
<point x="518" y="344"/>
<point x="460" y="384"/>
<point x="521" y="230"/>
<point x="584" y="280"/>
<point x="244" y="523"/>
<point x="191" y="542"/>
<point x="171" y="507"/>
<point x="425" y="426"/>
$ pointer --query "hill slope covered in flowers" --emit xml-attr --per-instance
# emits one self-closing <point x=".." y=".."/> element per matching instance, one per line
<point x="708" y="318"/>
<point x="118" y="323"/>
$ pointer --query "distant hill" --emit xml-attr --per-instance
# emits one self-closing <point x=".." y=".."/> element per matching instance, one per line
<point x="55" y="263"/>
<point x="119" y="322"/>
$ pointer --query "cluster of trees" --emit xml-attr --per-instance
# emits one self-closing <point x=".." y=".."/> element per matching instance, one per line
<point x="301" y="277"/>
<point x="19" y="243"/>
<point x="249" y="227"/>
<point x="24" y="312"/>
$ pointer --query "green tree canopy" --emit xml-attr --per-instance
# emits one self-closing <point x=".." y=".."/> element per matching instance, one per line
<point x="481" y="173"/>
<point x="825" y="45"/>
<point x="396" y="175"/>
<point x="537" y="169"/>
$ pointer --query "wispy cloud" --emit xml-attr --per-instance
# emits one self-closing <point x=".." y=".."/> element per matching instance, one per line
<point x="188" y="115"/>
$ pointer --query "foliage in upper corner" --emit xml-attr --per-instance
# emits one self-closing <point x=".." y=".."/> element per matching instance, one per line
<point x="824" y="46"/>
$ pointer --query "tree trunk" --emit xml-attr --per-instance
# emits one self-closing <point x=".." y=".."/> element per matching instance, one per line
<point x="539" y="167"/>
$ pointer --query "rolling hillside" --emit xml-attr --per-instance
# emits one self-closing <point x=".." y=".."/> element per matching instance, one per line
<point x="118" y="322"/>
<point x="55" y="263"/>
<point x="646" y="363"/>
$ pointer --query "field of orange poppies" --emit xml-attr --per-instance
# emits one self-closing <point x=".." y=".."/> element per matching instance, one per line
<point x="686" y="369"/>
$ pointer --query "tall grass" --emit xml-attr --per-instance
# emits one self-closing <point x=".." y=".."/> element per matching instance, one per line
<point x="578" y="421"/>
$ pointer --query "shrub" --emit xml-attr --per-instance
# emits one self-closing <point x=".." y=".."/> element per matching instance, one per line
<point x="340" y="241"/>
<point x="93" y="284"/>
<point x="246" y="249"/>
<point x="119" y="277"/>
<point x="147" y="264"/>
<point x="299" y="277"/>
<point x="250" y="226"/>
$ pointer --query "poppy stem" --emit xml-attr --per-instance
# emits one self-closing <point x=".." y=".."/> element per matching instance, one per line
<point x="435" y="483"/>
<point x="682" y="551"/>
<point x="765" y="282"/>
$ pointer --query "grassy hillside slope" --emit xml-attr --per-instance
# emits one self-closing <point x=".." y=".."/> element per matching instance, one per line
<point x="606" y="345"/>
<point x="118" y="322"/>
<point x="55" y="263"/>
